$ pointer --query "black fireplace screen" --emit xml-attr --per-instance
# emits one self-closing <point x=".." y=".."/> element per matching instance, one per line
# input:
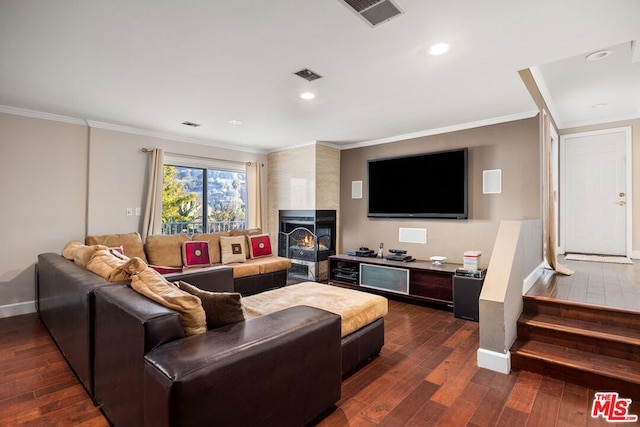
<point x="307" y="235"/>
<point x="305" y="245"/>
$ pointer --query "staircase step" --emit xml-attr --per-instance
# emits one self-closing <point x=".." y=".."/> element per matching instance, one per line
<point x="615" y="341"/>
<point x="580" y="311"/>
<point x="595" y="371"/>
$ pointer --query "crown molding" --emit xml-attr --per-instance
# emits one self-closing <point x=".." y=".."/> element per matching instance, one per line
<point x="572" y="125"/>
<point x="307" y="144"/>
<point x="161" y="135"/>
<point x="447" y="129"/>
<point x="120" y="128"/>
<point x="41" y="115"/>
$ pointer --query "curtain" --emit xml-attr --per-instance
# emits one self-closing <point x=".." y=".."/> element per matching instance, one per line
<point x="152" y="223"/>
<point x="254" y="177"/>
<point x="549" y="219"/>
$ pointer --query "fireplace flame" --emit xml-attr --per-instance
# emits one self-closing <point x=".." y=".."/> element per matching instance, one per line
<point x="309" y="242"/>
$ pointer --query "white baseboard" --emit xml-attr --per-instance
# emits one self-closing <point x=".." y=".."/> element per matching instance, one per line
<point x="10" y="310"/>
<point x="530" y="280"/>
<point x="635" y="255"/>
<point x="494" y="361"/>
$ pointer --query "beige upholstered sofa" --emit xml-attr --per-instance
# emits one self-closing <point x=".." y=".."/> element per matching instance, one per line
<point x="254" y="269"/>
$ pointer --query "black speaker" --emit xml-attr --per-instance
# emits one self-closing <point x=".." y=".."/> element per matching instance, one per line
<point x="466" y="292"/>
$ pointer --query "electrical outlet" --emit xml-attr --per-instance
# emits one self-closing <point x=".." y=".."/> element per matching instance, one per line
<point x="129" y="211"/>
<point x="138" y="211"/>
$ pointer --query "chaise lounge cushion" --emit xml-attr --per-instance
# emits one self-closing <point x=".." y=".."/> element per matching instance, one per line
<point x="254" y="267"/>
<point x="245" y="269"/>
<point x="356" y="308"/>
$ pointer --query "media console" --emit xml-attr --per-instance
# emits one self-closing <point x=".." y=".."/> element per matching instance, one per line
<point x="419" y="280"/>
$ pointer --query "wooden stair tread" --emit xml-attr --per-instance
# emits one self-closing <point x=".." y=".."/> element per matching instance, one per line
<point x="601" y="331"/>
<point x="613" y="367"/>
<point x="589" y="312"/>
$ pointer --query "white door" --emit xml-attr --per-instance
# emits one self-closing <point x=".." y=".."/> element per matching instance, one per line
<point x="596" y="192"/>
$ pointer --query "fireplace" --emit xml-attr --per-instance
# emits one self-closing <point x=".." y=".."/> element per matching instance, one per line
<point x="308" y="238"/>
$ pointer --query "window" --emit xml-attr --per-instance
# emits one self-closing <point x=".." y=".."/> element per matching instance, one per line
<point x="201" y="196"/>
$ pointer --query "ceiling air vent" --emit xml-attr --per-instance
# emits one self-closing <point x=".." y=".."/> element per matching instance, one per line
<point x="308" y="75"/>
<point x="375" y="12"/>
<point x="193" y="125"/>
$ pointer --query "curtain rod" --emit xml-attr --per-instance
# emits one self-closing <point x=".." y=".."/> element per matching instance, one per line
<point x="150" y="150"/>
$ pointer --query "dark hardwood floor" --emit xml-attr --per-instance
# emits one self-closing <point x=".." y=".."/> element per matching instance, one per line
<point x="37" y="387"/>
<point x="426" y="375"/>
<point x="610" y="285"/>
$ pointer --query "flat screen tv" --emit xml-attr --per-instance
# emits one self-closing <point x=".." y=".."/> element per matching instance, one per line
<point x="430" y="185"/>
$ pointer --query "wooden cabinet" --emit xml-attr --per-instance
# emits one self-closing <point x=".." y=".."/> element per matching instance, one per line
<point x="420" y="280"/>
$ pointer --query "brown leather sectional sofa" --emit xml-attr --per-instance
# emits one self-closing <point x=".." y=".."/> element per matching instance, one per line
<point x="249" y="277"/>
<point x="132" y="355"/>
<point x="133" y="358"/>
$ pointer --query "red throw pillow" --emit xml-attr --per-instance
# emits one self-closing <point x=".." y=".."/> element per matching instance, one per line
<point x="195" y="254"/>
<point x="119" y="249"/>
<point x="166" y="270"/>
<point x="260" y="245"/>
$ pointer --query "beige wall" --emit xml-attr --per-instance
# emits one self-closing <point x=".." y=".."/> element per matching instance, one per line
<point x="513" y="147"/>
<point x="118" y="171"/>
<point x="43" y="188"/>
<point x="61" y="181"/>
<point x="303" y="178"/>
<point x="635" y="148"/>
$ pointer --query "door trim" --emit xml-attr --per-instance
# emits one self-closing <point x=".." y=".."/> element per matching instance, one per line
<point x="629" y="181"/>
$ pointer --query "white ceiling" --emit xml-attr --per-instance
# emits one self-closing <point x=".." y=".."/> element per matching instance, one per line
<point x="153" y="64"/>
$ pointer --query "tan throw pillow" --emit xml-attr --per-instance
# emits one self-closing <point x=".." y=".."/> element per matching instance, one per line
<point x="70" y="249"/>
<point x="104" y="263"/>
<point x="166" y="250"/>
<point x="131" y="242"/>
<point x="233" y="249"/>
<point x="83" y="254"/>
<point x="221" y="308"/>
<point x="248" y="232"/>
<point x="151" y="284"/>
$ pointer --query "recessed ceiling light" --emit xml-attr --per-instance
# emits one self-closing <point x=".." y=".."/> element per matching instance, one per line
<point x="235" y="122"/>
<point x="599" y="105"/>
<point x="596" y="56"/>
<point x="307" y="96"/>
<point x="439" y="49"/>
